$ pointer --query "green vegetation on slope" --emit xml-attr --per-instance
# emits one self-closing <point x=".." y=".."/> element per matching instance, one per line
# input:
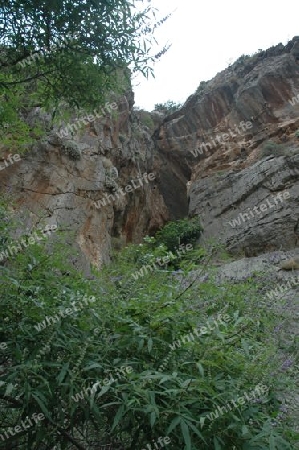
<point x="168" y="107"/>
<point x="170" y="375"/>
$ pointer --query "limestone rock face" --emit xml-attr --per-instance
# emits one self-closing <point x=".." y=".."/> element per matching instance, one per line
<point x="256" y="90"/>
<point x="219" y="134"/>
<point x="62" y="179"/>
<point x="208" y="159"/>
<point x="253" y="210"/>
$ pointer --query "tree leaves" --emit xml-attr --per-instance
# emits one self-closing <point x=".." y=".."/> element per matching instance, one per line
<point x="54" y="371"/>
<point x="62" y="49"/>
<point x="63" y="373"/>
<point x="186" y="434"/>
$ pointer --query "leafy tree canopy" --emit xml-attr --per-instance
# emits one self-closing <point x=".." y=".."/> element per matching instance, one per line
<point x="182" y="231"/>
<point x="168" y="108"/>
<point x="74" y="51"/>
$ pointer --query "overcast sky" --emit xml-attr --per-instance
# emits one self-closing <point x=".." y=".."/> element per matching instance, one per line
<point x="206" y="37"/>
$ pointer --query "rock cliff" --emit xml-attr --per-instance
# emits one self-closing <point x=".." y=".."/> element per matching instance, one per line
<point x="75" y="181"/>
<point x="239" y="135"/>
<point x="229" y="151"/>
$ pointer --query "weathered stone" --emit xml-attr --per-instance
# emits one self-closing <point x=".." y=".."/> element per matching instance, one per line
<point x="212" y="145"/>
<point x="226" y="203"/>
<point x="58" y="186"/>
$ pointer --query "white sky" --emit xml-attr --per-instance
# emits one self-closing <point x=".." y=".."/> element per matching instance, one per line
<point x="205" y="36"/>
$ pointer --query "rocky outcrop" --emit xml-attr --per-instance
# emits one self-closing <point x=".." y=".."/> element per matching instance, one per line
<point x="208" y="154"/>
<point x="220" y="133"/>
<point x="252" y="210"/>
<point x="255" y="90"/>
<point x="61" y="180"/>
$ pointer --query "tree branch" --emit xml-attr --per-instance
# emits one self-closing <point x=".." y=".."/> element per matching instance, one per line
<point x="11" y="400"/>
<point x="70" y="438"/>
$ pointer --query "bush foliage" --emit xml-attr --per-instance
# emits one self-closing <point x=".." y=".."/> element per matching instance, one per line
<point x="168" y="108"/>
<point x="184" y="231"/>
<point x="271" y="148"/>
<point x="130" y="323"/>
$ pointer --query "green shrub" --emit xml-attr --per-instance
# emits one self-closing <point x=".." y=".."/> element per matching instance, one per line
<point x="168" y="108"/>
<point x="271" y="148"/>
<point x="170" y="390"/>
<point x="192" y="259"/>
<point x="185" y="231"/>
<point x="15" y="133"/>
<point x="72" y="150"/>
<point x="201" y="87"/>
<point x="151" y="250"/>
<point x="241" y="60"/>
<point x="145" y="253"/>
<point x="122" y="138"/>
<point x="146" y="119"/>
<point x="137" y="131"/>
